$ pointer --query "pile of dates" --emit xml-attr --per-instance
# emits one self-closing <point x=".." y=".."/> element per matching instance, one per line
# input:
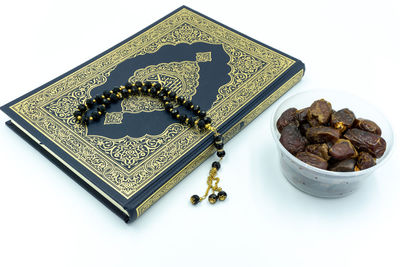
<point x="331" y="140"/>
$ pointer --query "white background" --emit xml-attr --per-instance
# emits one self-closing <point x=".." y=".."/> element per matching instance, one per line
<point x="48" y="220"/>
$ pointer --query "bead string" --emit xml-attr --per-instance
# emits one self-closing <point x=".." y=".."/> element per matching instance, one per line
<point x="167" y="96"/>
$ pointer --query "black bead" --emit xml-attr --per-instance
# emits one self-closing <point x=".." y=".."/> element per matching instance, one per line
<point x="85" y="119"/>
<point x="196" y="109"/>
<point x="99" y="99"/>
<point x="166" y="99"/>
<point x="202" y="113"/>
<point x="207" y="120"/>
<point x="219" y="146"/>
<point x="168" y="107"/>
<point x="89" y="102"/>
<point x="166" y="90"/>
<point x="221" y="154"/>
<point x="174" y="113"/>
<point x="157" y="86"/>
<point x="172" y="95"/>
<point x="147" y="85"/>
<point x="106" y="102"/>
<point x="180" y="99"/>
<point x="191" y="122"/>
<point x="101" y="108"/>
<point x="144" y="90"/>
<point x="113" y="98"/>
<point x="128" y="85"/>
<point x="218" y="138"/>
<point x="182" y="118"/>
<point x="77" y="113"/>
<point x="222" y="195"/>
<point x="106" y="93"/>
<point x="138" y="84"/>
<point x="124" y="92"/>
<point x="194" y="199"/>
<point x="201" y="124"/>
<point x="161" y="95"/>
<point x="115" y="90"/>
<point x="216" y="165"/>
<point x="135" y="90"/>
<point x="153" y="92"/>
<point x="82" y="107"/>
<point x="212" y="198"/>
<point x="95" y="115"/>
<point x="188" y="104"/>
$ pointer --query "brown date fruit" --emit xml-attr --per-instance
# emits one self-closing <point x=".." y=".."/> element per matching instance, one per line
<point x="312" y="160"/>
<point x="289" y="116"/>
<point x="322" y="134"/>
<point x="321" y="150"/>
<point x="346" y="165"/>
<point x="319" y="112"/>
<point x="342" y="119"/>
<point x="367" y="125"/>
<point x="343" y="149"/>
<point x="365" y="161"/>
<point x="292" y="139"/>
<point x="302" y="115"/>
<point x="303" y="127"/>
<point x="366" y="141"/>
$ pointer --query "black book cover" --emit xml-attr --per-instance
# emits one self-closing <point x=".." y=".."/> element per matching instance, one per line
<point x="138" y="152"/>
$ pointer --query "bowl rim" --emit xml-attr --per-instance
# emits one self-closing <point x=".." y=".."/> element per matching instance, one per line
<point x="353" y="174"/>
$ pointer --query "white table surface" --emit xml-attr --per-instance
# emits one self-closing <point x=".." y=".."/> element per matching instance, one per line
<point x="49" y="220"/>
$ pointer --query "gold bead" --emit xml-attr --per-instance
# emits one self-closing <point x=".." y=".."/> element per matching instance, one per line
<point x="187" y="120"/>
<point x="109" y="99"/>
<point x="129" y="91"/>
<point x="177" y="116"/>
<point x="102" y="96"/>
<point x="94" y="100"/>
<point x="79" y="118"/>
<point x="91" y="118"/>
<point x="99" y="112"/>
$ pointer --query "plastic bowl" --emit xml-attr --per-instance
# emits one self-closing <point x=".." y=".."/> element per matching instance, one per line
<point x="323" y="183"/>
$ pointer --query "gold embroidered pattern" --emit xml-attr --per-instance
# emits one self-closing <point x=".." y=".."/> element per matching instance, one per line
<point x="203" y="57"/>
<point x="253" y="67"/>
<point x="113" y="118"/>
<point x="128" y="151"/>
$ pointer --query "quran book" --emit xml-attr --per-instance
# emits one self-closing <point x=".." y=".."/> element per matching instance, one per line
<point x="137" y="152"/>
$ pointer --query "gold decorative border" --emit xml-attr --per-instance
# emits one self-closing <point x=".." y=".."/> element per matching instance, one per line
<point x="182" y="27"/>
<point x="210" y="150"/>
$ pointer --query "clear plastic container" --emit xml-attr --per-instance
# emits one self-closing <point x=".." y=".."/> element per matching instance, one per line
<point x="323" y="183"/>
